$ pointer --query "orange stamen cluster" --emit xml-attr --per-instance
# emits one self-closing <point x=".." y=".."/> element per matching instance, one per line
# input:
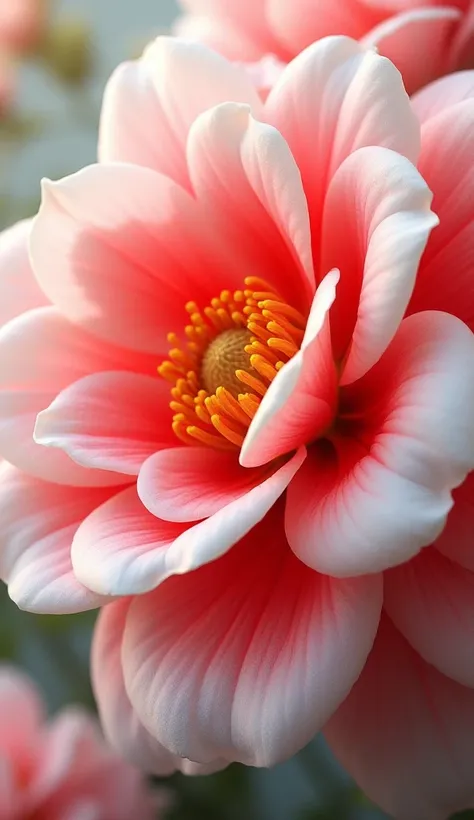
<point x="270" y="331"/>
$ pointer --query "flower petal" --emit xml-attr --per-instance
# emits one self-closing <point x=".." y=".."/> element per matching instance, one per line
<point x="404" y="37"/>
<point x="122" y="549"/>
<point x="111" y="421"/>
<point x="301" y="400"/>
<point x="446" y="164"/>
<point x="374" y="494"/>
<point x="41" y="353"/>
<point x="430" y="600"/>
<point x="455" y="542"/>
<point x="244" y="173"/>
<point x="300" y="26"/>
<point x="248" y="665"/>
<point x="149" y="105"/>
<point x="345" y="97"/>
<point x="405" y="733"/>
<point x="442" y="94"/>
<point x="19" y="288"/>
<point x="120" y="723"/>
<point x="382" y="205"/>
<point x="21" y="714"/>
<point x="38" y="524"/>
<point x="121" y="250"/>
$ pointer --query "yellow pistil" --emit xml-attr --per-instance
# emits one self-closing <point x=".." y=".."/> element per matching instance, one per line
<point x="233" y="350"/>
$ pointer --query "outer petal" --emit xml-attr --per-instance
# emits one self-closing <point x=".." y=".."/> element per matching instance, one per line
<point x="430" y="600"/>
<point x="442" y="94"/>
<point x="123" y="549"/>
<point x="245" y="174"/>
<point x="381" y="489"/>
<point x="112" y="421"/>
<point x="418" y="42"/>
<point x="149" y="105"/>
<point x="445" y="278"/>
<point x="121" y="250"/>
<point x="218" y="35"/>
<point x="381" y="204"/>
<point x="38" y="524"/>
<point x="21" y="714"/>
<point x="259" y="651"/>
<point x="19" y="288"/>
<point x="299" y="27"/>
<point x="345" y="97"/>
<point x="120" y="722"/>
<point x="40" y="354"/>
<point x="301" y="401"/>
<point x="456" y="541"/>
<point x="405" y="734"/>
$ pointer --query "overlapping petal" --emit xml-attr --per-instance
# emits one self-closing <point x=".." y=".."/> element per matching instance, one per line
<point x="109" y="420"/>
<point x="346" y="97"/>
<point x="430" y="600"/>
<point x="39" y="520"/>
<point x="149" y="105"/>
<point x="405" y="733"/>
<point x="20" y="290"/>
<point x="373" y="495"/>
<point x="41" y="353"/>
<point x="241" y="659"/>
<point x="244" y="173"/>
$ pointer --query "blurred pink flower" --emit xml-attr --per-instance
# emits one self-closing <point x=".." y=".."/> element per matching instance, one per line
<point x="424" y="38"/>
<point x="60" y="769"/>
<point x="22" y="24"/>
<point x="321" y="413"/>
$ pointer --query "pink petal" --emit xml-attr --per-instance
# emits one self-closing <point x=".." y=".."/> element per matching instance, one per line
<point x="247" y="20"/>
<point x="122" y="549"/>
<point x="382" y="205"/>
<point x="442" y="94"/>
<point x="445" y="278"/>
<point x="298" y="26"/>
<point x="417" y="41"/>
<point x="41" y="353"/>
<point x="301" y="401"/>
<point x="455" y="542"/>
<point x="244" y="173"/>
<point x="110" y="421"/>
<point x="218" y="35"/>
<point x="405" y="734"/>
<point x="38" y="524"/>
<point x="119" y="721"/>
<point x="430" y="600"/>
<point x="21" y="715"/>
<point x="374" y="494"/>
<point x="149" y="105"/>
<point x="255" y="656"/>
<point x="19" y="288"/>
<point x="121" y="250"/>
<point x="78" y="775"/>
<point x="345" y="97"/>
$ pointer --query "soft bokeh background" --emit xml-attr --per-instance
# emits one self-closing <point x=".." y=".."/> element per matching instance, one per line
<point x="51" y="132"/>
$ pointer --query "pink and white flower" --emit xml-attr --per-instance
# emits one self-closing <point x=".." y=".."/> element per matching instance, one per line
<point x="424" y="38"/>
<point x="264" y="258"/>
<point x="61" y="769"/>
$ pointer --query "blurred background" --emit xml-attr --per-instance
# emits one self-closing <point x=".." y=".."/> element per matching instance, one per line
<point x="49" y="109"/>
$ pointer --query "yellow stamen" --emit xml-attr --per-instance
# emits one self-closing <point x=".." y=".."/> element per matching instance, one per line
<point x="241" y="339"/>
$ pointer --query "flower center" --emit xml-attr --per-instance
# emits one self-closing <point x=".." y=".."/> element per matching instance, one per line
<point x="233" y="350"/>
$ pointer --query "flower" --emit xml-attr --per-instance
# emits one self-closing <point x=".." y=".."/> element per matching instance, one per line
<point x="424" y="38"/>
<point x="22" y="24"/>
<point x="308" y="427"/>
<point x="60" y="768"/>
